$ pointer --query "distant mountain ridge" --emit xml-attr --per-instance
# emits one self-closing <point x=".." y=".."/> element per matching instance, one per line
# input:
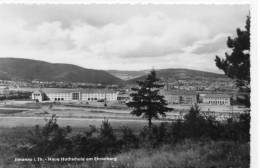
<point x="127" y="75"/>
<point x="27" y="69"/>
<point x="172" y="75"/>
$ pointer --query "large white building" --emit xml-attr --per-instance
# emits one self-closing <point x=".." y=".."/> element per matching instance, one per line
<point x="88" y="95"/>
<point x="217" y="99"/>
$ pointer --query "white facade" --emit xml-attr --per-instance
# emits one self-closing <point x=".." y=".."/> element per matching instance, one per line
<point x="87" y="95"/>
<point x="180" y="97"/>
<point x="217" y="99"/>
<point x="123" y="98"/>
<point x="4" y="90"/>
<point x="38" y="96"/>
<point x="59" y="96"/>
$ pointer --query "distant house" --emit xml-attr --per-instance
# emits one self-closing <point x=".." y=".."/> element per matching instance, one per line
<point x="123" y="98"/>
<point x="88" y="95"/>
<point x="189" y="98"/>
<point x="38" y="96"/>
<point x="217" y="99"/>
<point x="4" y="90"/>
<point x="180" y="96"/>
<point x="172" y="99"/>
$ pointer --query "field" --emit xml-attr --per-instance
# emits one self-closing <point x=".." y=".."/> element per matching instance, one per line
<point x="17" y="119"/>
<point x="28" y="116"/>
<point x="12" y="122"/>
<point x="24" y="114"/>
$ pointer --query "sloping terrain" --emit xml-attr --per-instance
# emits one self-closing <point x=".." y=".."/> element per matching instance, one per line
<point x="181" y="74"/>
<point x="26" y="69"/>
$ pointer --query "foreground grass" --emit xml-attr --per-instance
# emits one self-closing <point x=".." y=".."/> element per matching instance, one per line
<point x="9" y="138"/>
<point x="187" y="154"/>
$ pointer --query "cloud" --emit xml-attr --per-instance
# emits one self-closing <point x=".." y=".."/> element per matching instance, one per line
<point x="213" y="45"/>
<point x="119" y="37"/>
<point x="151" y="36"/>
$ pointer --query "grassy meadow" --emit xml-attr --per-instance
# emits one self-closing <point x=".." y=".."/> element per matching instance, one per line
<point x="185" y="154"/>
<point x="214" y="145"/>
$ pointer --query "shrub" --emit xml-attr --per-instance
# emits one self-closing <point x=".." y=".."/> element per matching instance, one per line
<point x="129" y="140"/>
<point x="194" y="123"/>
<point x="87" y="144"/>
<point x="50" y="140"/>
<point x="176" y="133"/>
<point x="197" y="126"/>
<point x="108" y="139"/>
<point x="96" y="142"/>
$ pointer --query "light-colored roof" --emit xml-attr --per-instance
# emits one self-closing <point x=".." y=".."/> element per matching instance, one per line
<point x="62" y="90"/>
<point x="217" y="95"/>
<point x="123" y="95"/>
<point x="178" y="92"/>
<point x="4" y="87"/>
<point x="38" y="91"/>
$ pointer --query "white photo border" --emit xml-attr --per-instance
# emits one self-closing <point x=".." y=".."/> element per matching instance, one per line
<point x="255" y="61"/>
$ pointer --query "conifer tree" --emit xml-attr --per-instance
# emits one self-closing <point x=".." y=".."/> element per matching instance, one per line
<point x="146" y="99"/>
<point x="237" y="64"/>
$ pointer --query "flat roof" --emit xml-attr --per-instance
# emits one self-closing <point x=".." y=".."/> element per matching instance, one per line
<point x="178" y="92"/>
<point x="66" y="90"/>
<point x="218" y="95"/>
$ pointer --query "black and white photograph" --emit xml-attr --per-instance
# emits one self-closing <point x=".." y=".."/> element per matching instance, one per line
<point x="120" y="85"/>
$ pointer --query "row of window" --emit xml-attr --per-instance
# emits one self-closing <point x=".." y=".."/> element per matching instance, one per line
<point x="58" y="99"/>
<point x="87" y="95"/>
<point x="75" y="98"/>
<point x="217" y="102"/>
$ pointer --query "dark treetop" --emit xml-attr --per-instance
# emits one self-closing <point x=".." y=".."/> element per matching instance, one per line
<point x="146" y="100"/>
<point x="237" y="64"/>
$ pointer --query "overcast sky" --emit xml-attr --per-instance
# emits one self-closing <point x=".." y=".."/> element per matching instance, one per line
<point x="125" y="37"/>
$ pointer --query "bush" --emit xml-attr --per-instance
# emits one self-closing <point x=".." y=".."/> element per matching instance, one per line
<point x="50" y="140"/>
<point x="96" y="142"/>
<point x="194" y="123"/>
<point x="129" y="140"/>
<point x="155" y="136"/>
<point x="108" y="139"/>
<point x="87" y="144"/>
<point x="197" y="126"/>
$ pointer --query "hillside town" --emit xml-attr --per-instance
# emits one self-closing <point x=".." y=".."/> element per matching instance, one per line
<point x="216" y="97"/>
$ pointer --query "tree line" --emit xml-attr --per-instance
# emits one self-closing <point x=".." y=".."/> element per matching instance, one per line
<point x="51" y="140"/>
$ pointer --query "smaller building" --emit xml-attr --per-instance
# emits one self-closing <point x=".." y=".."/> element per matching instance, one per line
<point x="38" y="96"/>
<point x="180" y="96"/>
<point x="172" y="99"/>
<point x="123" y="98"/>
<point x="4" y="90"/>
<point x="188" y="99"/>
<point x="217" y="99"/>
